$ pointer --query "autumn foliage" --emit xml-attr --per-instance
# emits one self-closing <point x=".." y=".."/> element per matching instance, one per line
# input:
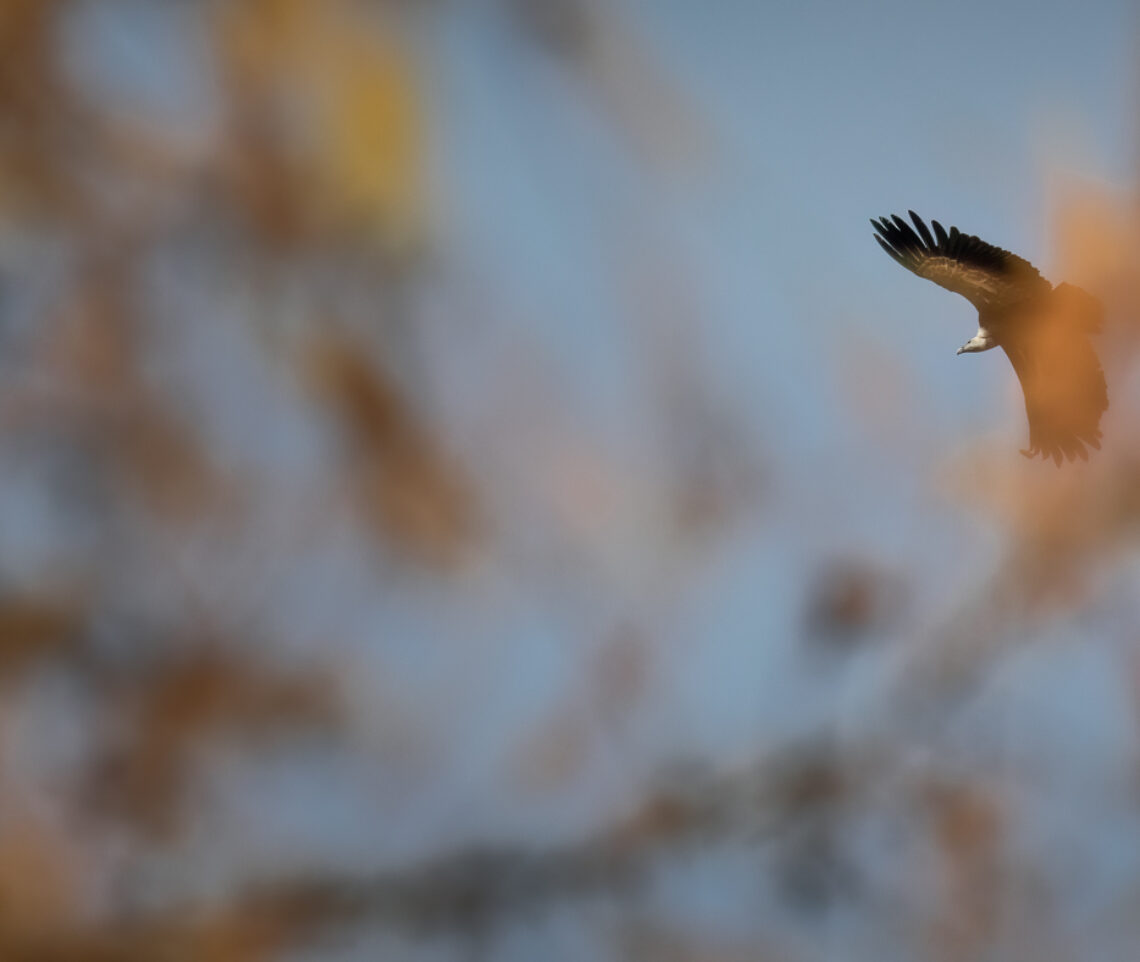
<point x="232" y="446"/>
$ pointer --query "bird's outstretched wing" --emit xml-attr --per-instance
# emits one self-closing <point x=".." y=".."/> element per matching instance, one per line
<point x="985" y="275"/>
<point x="1064" y="386"/>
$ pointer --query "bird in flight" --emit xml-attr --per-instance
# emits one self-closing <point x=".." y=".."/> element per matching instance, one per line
<point x="1044" y="330"/>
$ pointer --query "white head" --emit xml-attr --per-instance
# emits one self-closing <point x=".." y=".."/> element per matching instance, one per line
<point x="982" y="341"/>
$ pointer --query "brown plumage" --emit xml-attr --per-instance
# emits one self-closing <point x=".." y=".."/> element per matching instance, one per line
<point x="1044" y="330"/>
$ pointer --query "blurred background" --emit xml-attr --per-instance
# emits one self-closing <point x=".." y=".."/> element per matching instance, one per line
<point x="471" y="487"/>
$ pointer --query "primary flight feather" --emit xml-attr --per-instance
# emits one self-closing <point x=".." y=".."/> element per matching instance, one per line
<point x="1044" y="330"/>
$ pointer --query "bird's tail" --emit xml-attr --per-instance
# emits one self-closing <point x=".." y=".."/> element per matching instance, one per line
<point x="1080" y="307"/>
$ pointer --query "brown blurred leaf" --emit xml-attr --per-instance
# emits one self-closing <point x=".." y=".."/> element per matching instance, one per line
<point x="408" y="488"/>
<point x="169" y="710"/>
<point x="38" y="116"/>
<point x="554" y="754"/>
<point x="619" y="673"/>
<point x="38" y="876"/>
<point x="106" y="406"/>
<point x="968" y="827"/>
<point x="849" y="601"/>
<point x="33" y="628"/>
<point x="327" y="122"/>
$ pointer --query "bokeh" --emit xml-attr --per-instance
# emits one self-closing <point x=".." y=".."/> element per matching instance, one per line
<point x="472" y="488"/>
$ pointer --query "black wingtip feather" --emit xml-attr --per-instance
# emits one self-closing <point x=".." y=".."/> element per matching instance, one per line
<point x="890" y="250"/>
<point x="912" y="239"/>
<point x="922" y="228"/>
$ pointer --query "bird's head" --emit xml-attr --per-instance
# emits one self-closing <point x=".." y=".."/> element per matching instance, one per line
<point x="979" y="342"/>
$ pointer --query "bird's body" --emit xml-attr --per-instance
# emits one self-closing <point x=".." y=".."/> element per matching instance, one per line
<point x="1043" y="329"/>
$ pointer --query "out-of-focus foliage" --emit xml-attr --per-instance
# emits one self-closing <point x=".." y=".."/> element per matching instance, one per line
<point x="850" y="602"/>
<point x="263" y="541"/>
<point x="406" y="487"/>
<point x="176" y="289"/>
<point x="326" y="121"/>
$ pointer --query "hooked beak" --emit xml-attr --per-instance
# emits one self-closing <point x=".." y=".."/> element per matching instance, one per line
<point x="962" y="349"/>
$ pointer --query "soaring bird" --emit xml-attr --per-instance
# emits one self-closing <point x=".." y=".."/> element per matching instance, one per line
<point x="1044" y="330"/>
